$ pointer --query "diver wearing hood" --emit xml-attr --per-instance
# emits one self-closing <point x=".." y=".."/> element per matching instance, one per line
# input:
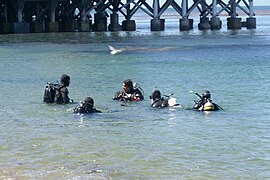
<point x="57" y="93"/>
<point x="167" y="101"/>
<point x="129" y="92"/>
<point x="61" y="96"/>
<point x="157" y="100"/>
<point x="87" y="106"/>
<point x="205" y="103"/>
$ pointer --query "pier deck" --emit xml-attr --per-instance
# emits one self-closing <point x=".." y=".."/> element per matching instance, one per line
<point x="29" y="16"/>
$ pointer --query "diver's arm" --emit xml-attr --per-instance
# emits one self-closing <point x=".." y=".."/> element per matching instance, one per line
<point x="199" y="95"/>
<point x="64" y="93"/>
<point x="137" y="96"/>
<point x="118" y="95"/>
<point x="98" y="111"/>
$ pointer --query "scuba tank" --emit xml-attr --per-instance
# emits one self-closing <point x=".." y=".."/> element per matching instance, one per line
<point x="171" y="100"/>
<point x="137" y="86"/>
<point x="138" y="97"/>
<point x="158" y="101"/>
<point x="208" y="106"/>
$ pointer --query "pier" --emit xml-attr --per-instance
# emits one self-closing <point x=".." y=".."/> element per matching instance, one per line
<point x="36" y="16"/>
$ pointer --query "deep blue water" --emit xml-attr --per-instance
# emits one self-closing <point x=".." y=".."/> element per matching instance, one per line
<point x="135" y="141"/>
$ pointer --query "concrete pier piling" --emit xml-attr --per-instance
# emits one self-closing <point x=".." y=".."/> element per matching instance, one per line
<point x="36" y="27"/>
<point x="186" y="24"/>
<point x="100" y="22"/>
<point x="16" y="27"/>
<point x="129" y="25"/>
<point x="114" y="26"/>
<point x="35" y="16"/>
<point x="52" y="27"/>
<point x="204" y="23"/>
<point x="157" y="24"/>
<point x="215" y="23"/>
<point x="69" y="25"/>
<point x="251" y="23"/>
<point x="234" y="23"/>
<point x="85" y="26"/>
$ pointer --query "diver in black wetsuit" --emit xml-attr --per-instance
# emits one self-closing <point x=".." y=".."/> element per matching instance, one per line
<point x="58" y="93"/>
<point x="62" y="97"/>
<point x="157" y="100"/>
<point x="87" y="106"/>
<point x="206" y="96"/>
<point x="129" y="93"/>
<point x="205" y="102"/>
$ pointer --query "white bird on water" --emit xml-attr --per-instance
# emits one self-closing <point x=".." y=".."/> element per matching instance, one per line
<point x="114" y="51"/>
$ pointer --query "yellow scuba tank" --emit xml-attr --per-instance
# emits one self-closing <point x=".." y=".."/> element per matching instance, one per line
<point x="208" y="106"/>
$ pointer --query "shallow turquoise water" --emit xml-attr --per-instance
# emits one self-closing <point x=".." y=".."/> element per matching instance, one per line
<point x="135" y="141"/>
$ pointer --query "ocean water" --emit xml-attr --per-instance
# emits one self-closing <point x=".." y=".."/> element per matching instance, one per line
<point x="132" y="140"/>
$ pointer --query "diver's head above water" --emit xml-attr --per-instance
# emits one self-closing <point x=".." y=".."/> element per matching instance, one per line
<point x="65" y="80"/>
<point x="128" y="86"/>
<point x="206" y="94"/>
<point x="156" y="95"/>
<point x="89" y="100"/>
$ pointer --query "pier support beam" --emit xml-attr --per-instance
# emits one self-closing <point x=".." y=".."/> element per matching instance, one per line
<point x="128" y="25"/>
<point x="234" y="23"/>
<point x="215" y="23"/>
<point x="186" y="24"/>
<point x="100" y="22"/>
<point x="85" y="23"/>
<point x="251" y="23"/>
<point x="14" y="17"/>
<point x="157" y="24"/>
<point x="114" y="26"/>
<point x="215" y="20"/>
<point x="53" y="26"/>
<point x="52" y="14"/>
<point x="204" y="23"/>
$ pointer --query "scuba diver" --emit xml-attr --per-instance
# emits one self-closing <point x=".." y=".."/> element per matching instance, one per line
<point x="129" y="92"/>
<point x="58" y="93"/>
<point x="205" y="103"/>
<point x="157" y="100"/>
<point x="87" y="106"/>
<point x="160" y="102"/>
